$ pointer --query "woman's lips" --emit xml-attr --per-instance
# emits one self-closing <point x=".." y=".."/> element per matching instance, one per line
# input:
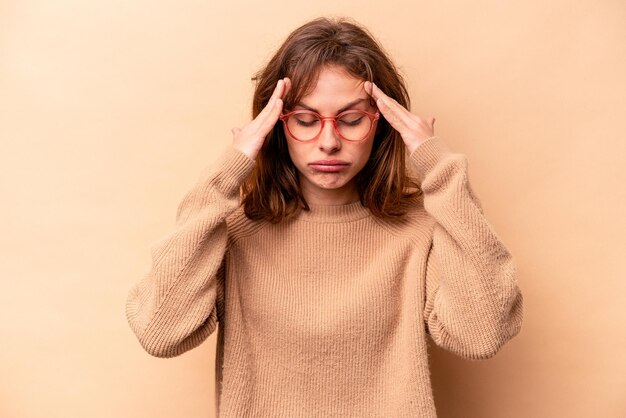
<point x="329" y="167"/>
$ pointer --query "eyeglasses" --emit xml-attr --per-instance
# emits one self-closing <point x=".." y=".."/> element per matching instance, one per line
<point x="351" y="125"/>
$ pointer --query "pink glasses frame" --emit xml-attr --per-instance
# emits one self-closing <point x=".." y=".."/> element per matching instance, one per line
<point x="373" y="117"/>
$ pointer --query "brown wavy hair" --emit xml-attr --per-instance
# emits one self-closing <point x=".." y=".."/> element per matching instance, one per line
<point x="272" y="191"/>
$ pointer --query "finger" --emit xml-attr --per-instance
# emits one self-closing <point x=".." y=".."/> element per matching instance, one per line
<point x="368" y="88"/>
<point x="391" y="115"/>
<point x="278" y="89"/>
<point x="397" y="115"/>
<point x="266" y="122"/>
<point x="272" y="100"/>
<point x="389" y="104"/>
<point x="287" y="86"/>
<point x="274" y="107"/>
<point x="393" y="104"/>
<point x="268" y="116"/>
<point x="267" y="109"/>
<point x="374" y="91"/>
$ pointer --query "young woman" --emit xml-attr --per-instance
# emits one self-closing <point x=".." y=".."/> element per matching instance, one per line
<point x="324" y="261"/>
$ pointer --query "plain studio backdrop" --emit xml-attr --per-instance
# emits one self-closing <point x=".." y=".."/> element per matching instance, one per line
<point x="109" y="111"/>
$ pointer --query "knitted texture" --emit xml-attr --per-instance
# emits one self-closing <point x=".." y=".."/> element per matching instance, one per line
<point x="328" y="314"/>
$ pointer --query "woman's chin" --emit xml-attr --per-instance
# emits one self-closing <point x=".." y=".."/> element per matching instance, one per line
<point x="330" y="182"/>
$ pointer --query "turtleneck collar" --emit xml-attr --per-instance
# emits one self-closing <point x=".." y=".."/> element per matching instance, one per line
<point x="334" y="213"/>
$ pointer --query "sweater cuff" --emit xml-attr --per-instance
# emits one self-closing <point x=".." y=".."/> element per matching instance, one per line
<point x="230" y="170"/>
<point x="426" y="156"/>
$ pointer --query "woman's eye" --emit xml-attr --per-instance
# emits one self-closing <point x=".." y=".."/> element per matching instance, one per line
<point x="352" y="122"/>
<point x="306" y="123"/>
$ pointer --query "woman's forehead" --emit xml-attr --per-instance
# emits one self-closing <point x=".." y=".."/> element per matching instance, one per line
<point x="333" y="90"/>
<point x="336" y="81"/>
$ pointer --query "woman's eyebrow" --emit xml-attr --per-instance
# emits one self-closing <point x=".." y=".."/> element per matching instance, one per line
<point x="346" y="107"/>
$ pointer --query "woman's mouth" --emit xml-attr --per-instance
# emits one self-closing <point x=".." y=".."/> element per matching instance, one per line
<point x="329" y="165"/>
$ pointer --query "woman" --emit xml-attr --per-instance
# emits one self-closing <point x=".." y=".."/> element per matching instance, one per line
<point x="324" y="262"/>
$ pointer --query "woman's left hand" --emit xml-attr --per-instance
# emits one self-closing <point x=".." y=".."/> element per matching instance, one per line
<point x="413" y="129"/>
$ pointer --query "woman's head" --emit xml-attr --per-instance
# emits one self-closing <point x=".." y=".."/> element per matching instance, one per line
<point x="327" y="62"/>
<point x="309" y="140"/>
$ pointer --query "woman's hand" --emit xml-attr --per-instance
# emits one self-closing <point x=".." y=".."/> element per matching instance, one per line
<point x="413" y="129"/>
<point x="249" y="140"/>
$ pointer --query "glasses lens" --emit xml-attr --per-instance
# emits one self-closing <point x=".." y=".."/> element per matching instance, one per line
<point x="352" y="125"/>
<point x="304" y="126"/>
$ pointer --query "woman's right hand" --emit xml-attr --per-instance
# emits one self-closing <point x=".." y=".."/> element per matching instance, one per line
<point x="249" y="140"/>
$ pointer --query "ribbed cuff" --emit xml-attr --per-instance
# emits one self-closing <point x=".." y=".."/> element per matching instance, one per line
<point x="230" y="170"/>
<point x="426" y="156"/>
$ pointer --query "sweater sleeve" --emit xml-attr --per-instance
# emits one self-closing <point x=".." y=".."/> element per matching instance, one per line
<point x="173" y="308"/>
<point x="473" y="304"/>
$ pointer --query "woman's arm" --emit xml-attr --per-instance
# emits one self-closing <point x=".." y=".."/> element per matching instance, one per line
<point x="173" y="308"/>
<point x="473" y="304"/>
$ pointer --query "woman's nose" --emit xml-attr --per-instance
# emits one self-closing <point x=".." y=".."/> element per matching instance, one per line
<point x="328" y="139"/>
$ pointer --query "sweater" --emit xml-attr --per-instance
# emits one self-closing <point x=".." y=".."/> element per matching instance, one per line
<point x="328" y="314"/>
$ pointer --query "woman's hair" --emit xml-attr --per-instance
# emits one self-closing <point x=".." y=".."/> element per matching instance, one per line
<point x="272" y="191"/>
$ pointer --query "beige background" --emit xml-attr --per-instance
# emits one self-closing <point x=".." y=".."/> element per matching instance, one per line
<point x="110" y="110"/>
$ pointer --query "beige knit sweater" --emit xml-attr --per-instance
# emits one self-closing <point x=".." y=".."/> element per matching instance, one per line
<point x="328" y="314"/>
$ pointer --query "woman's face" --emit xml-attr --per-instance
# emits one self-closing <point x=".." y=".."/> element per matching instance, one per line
<point x="334" y="90"/>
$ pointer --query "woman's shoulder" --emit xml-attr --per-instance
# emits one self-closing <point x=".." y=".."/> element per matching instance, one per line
<point x="415" y="223"/>
<point x="240" y="226"/>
